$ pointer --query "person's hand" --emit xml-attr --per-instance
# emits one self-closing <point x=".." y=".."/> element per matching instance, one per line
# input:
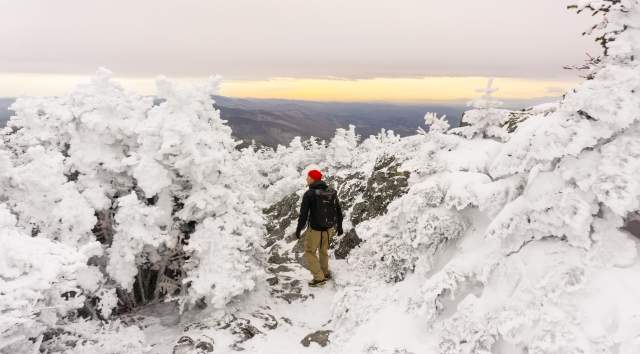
<point x="339" y="231"/>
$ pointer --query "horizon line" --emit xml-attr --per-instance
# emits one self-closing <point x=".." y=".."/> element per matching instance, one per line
<point x="397" y="90"/>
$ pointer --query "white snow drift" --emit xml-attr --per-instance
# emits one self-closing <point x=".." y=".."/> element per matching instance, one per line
<point x="509" y="239"/>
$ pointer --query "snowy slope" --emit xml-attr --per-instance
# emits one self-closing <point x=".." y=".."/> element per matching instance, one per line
<point x="151" y="232"/>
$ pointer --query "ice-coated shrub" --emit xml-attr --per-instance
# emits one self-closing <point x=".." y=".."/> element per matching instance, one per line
<point x="118" y="183"/>
<point x="544" y="264"/>
<point x="40" y="281"/>
<point x="408" y="232"/>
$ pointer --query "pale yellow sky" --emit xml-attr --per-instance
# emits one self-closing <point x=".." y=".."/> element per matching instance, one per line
<point x="396" y="51"/>
<point x="376" y="89"/>
<point x="393" y="89"/>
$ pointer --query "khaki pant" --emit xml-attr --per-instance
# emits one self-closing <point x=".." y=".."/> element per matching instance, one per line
<point x="315" y="241"/>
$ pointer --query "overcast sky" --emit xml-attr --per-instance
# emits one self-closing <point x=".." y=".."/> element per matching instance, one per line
<point x="262" y="39"/>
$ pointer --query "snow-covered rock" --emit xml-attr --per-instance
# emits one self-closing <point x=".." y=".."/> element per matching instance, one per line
<point x="504" y="235"/>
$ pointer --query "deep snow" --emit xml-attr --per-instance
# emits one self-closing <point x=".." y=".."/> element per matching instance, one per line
<point x="129" y="227"/>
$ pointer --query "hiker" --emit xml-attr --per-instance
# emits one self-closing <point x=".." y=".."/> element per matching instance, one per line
<point x="320" y="206"/>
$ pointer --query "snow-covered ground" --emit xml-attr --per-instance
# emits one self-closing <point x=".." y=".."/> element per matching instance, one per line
<point x="129" y="227"/>
<point x="282" y="325"/>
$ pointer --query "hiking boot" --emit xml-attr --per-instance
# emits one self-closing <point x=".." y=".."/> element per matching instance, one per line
<point x="315" y="283"/>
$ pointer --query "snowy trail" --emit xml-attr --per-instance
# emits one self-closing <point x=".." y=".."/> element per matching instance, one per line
<point x="272" y="320"/>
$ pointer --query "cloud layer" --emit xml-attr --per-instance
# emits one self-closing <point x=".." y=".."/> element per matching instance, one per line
<point x="250" y="39"/>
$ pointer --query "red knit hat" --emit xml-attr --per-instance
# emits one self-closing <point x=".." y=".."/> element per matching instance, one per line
<point x="315" y="175"/>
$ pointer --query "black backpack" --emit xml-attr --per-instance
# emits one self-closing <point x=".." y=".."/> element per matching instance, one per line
<point x="325" y="202"/>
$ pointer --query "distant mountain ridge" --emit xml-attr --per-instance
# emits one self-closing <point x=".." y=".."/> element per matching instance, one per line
<point x="4" y="110"/>
<point x="273" y="121"/>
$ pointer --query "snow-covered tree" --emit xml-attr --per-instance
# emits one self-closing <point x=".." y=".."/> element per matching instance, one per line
<point x="340" y="148"/>
<point x="193" y="158"/>
<point x="543" y="265"/>
<point x="486" y="119"/>
<point x="435" y="123"/>
<point x="148" y="200"/>
<point x="40" y="279"/>
<point x="507" y="238"/>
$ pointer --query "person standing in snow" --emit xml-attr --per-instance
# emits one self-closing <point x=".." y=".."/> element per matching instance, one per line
<point x="321" y="208"/>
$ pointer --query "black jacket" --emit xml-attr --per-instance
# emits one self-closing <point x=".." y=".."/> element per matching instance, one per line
<point x="306" y="209"/>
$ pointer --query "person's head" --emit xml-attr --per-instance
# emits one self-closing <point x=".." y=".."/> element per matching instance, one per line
<point x="314" y="175"/>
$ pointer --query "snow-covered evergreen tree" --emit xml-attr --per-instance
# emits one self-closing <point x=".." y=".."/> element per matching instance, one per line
<point x="340" y="148"/>
<point x="486" y="119"/>
<point x="543" y="266"/>
<point x="148" y="200"/>
<point x="506" y="236"/>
